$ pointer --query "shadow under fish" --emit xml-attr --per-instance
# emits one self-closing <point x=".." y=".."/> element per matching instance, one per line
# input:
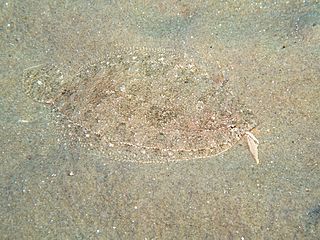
<point x="313" y="219"/>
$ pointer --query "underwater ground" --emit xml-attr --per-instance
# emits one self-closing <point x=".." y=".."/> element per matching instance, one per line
<point x="53" y="188"/>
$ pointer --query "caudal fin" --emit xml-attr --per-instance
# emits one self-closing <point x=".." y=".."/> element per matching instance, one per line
<point x="42" y="82"/>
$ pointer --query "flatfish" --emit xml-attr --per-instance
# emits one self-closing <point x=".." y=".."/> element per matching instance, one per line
<point x="150" y="105"/>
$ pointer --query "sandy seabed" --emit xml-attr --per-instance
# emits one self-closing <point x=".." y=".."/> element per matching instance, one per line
<point x="53" y="188"/>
